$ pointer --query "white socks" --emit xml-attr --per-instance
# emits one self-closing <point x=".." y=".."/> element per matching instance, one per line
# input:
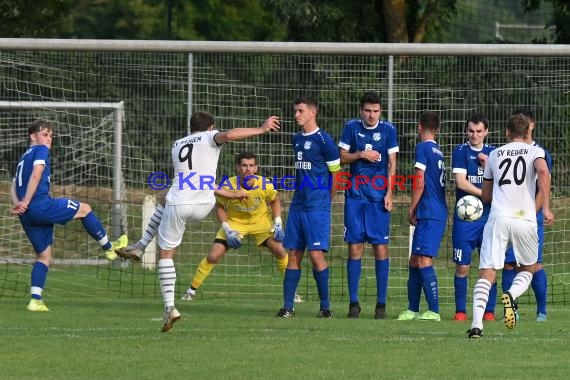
<point x="167" y="280"/>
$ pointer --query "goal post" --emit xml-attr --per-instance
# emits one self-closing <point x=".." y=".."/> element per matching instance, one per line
<point x="118" y="213"/>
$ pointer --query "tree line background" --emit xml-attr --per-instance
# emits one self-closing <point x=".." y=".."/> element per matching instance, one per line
<point x="153" y="85"/>
<point x="468" y="21"/>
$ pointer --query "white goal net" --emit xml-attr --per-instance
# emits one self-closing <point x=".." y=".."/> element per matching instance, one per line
<point x="242" y="90"/>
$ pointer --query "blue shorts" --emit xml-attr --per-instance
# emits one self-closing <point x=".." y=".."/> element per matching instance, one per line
<point x="466" y="237"/>
<point x="510" y="254"/>
<point x="427" y="237"/>
<point x="308" y="229"/>
<point x="38" y="221"/>
<point x="366" y="222"/>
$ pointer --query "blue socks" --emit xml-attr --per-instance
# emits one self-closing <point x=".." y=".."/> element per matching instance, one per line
<point x="353" y="273"/>
<point x="382" y="273"/>
<point x="460" y="285"/>
<point x="539" y="286"/>
<point x="429" y="284"/>
<point x="322" y="280"/>
<point x="96" y="230"/>
<point x="414" y="289"/>
<point x="492" y="299"/>
<point x="39" y="276"/>
<point x="508" y="277"/>
<point x="290" y="283"/>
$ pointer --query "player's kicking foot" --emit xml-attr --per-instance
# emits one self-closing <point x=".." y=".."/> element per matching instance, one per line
<point x="171" y="315"/>
<point x="509" y="309"/>
<point x="133" y="252"/>
<point x="37" y="305"/>
<point x="122" y="242"/>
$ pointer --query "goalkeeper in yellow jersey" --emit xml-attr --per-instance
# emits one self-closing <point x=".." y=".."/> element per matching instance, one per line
<point x="243" y="217"/>
<point x="242" y="212"/>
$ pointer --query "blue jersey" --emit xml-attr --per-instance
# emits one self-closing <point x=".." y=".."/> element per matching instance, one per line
<point x="382" y="138"/>
<point x="315" y="153"/>
<point x="464" y="161"/>
<point x="548" y="158"/>
<point x="432" y="203"/>
<point x="35" y="155"/>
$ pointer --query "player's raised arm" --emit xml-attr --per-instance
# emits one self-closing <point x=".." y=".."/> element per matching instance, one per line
<point x="272" y="124"/>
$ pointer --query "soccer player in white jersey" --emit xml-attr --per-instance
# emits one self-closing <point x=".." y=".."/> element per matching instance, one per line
<point x="191" y="196"/>
<point x="309" y="221"/>
<point x="539" y="282"/>
<point x="468" y="161"/>
<point x="370" y="146"/>
<point x="428" y="213"/>
<point x="510" y="179"/>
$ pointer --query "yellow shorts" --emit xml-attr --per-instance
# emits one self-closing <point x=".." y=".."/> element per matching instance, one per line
<point x="259" y="231"/>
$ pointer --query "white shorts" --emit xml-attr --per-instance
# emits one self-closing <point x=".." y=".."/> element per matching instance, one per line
<point x="503" y="232"/>
<point x="174" y="220"/>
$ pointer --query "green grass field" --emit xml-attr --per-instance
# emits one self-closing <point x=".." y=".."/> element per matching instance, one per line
<point x="95" y="333"/>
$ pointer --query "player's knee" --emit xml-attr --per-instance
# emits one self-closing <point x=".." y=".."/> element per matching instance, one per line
<point x="461" y="270"/>
<point x="84" y="210"/>
<point x="162" y="199"/>
<point x="213" y="260"/>
<point x="278" y="251"/>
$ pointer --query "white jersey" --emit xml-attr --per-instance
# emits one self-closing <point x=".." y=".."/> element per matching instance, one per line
<point x="511" y="167"/>
<point x="195" y="158"/>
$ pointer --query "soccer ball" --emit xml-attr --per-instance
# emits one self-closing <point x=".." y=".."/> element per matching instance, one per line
<point x="469" y="208"/>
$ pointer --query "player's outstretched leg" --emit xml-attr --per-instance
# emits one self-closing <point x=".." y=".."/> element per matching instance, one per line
<point x="120" y="243"/>
<point x="133" y="252"/>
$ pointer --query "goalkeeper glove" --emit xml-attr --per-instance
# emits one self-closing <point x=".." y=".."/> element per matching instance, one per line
<point x="232" y="237"/>
<point x="278" y="233"/>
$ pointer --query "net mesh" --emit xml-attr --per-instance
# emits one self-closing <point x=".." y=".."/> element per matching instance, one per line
<point x="242" y="90"/>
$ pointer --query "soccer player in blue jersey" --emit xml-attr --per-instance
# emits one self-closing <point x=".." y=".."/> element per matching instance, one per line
<point x="428" y="213"/>
<point x="467" y="162"/>
<point x="39" y="212"/>
<point x="539" y="282"/>
<point x="369" y="146"/>
<point x="309" y="221"/>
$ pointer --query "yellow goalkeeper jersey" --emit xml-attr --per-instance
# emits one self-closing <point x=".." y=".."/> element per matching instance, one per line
<point x="253" y="209"/>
